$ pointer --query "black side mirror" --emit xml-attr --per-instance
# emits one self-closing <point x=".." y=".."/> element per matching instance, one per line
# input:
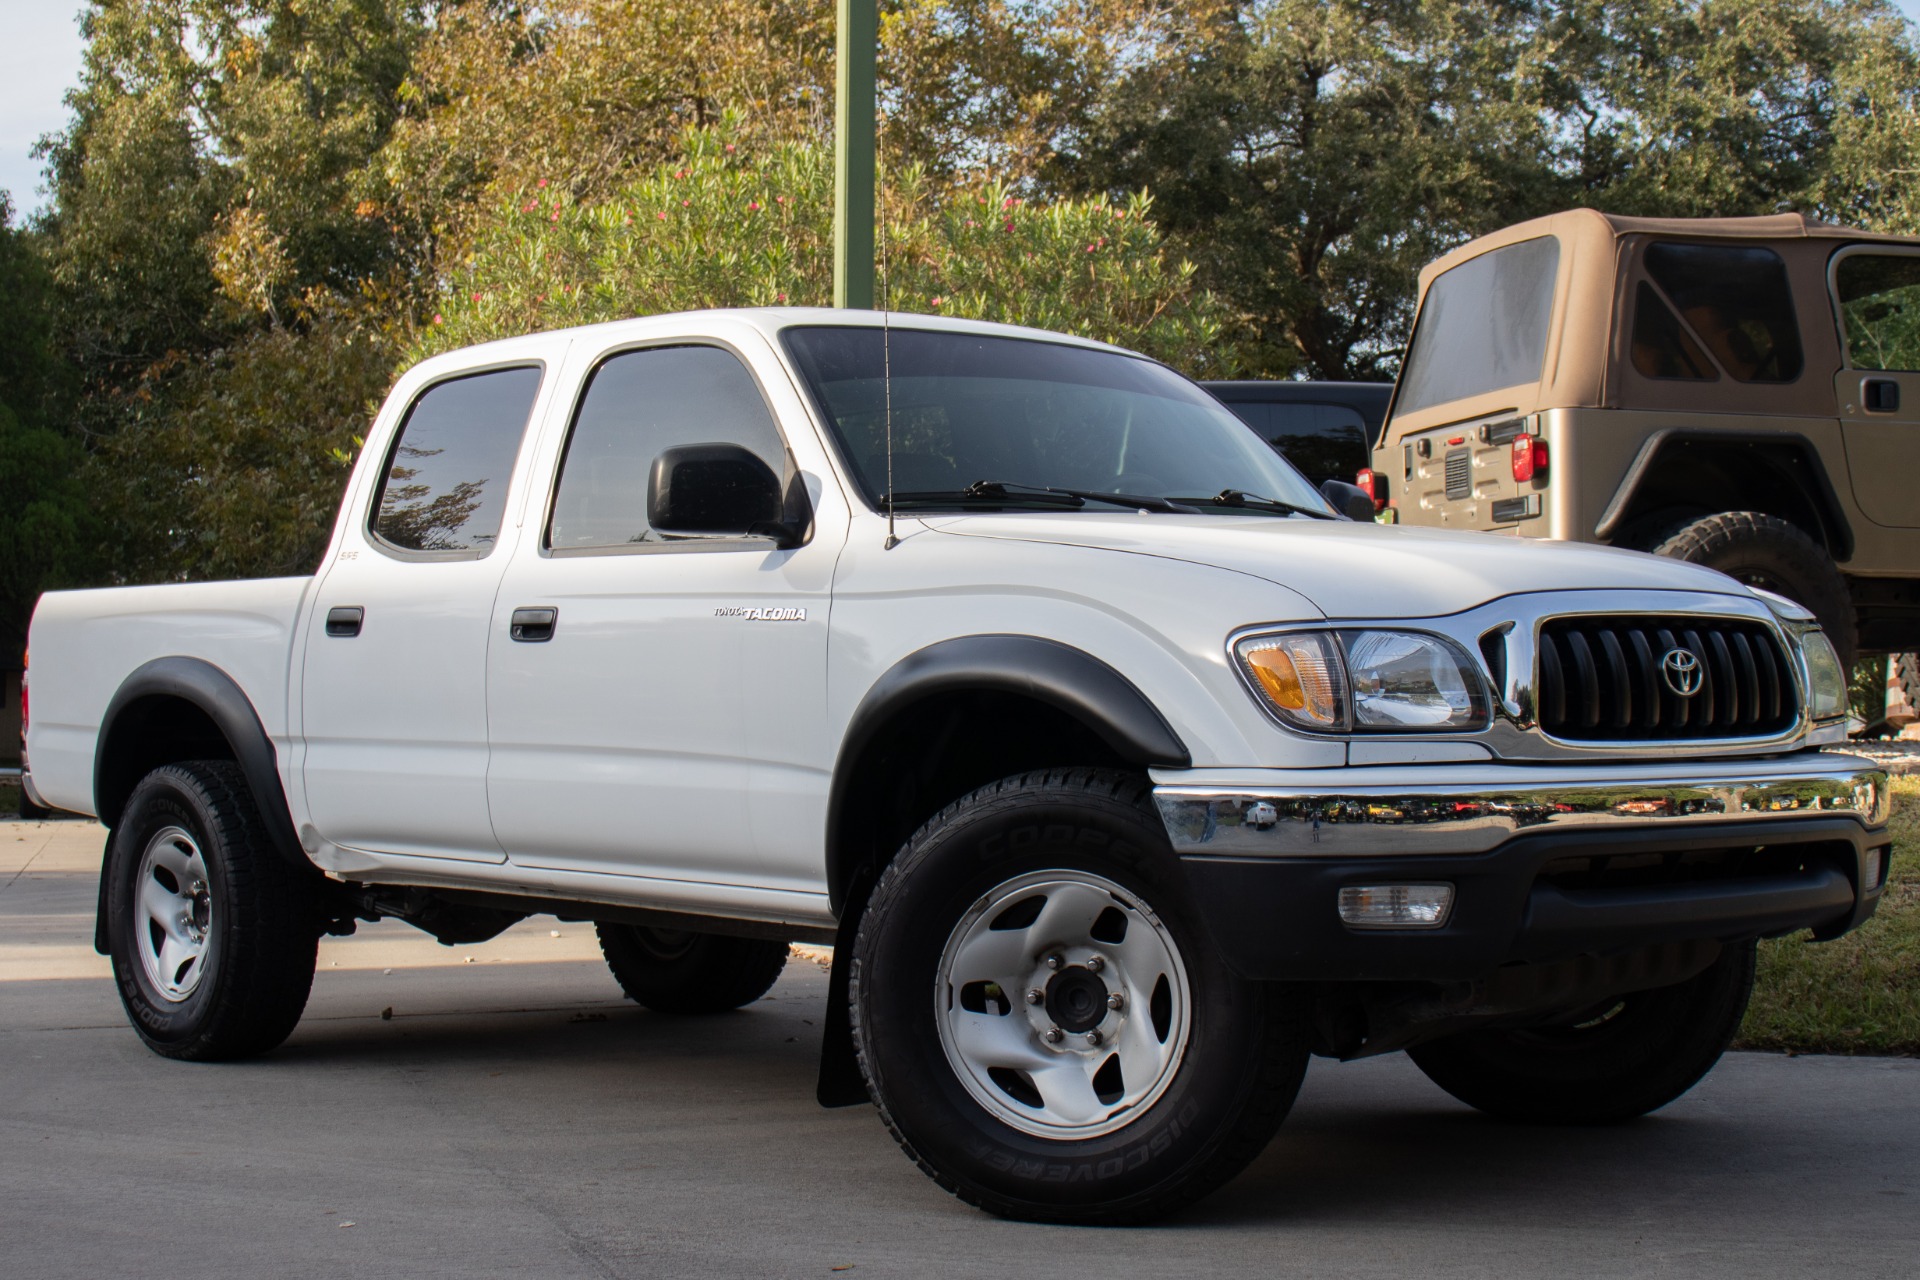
<point x="719" y="489"/>
<point x="1350" y="500"/>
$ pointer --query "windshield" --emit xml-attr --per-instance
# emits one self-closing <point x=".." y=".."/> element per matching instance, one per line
<point x="979" y="419"/>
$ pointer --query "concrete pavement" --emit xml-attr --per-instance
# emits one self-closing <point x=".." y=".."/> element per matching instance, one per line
<point x="514" y="1116"/>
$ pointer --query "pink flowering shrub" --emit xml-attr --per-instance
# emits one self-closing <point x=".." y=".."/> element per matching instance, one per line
<point x="733" y="226"/>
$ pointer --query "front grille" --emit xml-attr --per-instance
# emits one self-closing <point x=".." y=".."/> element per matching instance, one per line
<point x="1459" y="474"/>
<point x="1607" y="679"/>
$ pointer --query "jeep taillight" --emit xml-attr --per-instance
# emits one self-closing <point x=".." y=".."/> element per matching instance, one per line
<point x="1529" y="458"/>
<point x="1374" y="485"/>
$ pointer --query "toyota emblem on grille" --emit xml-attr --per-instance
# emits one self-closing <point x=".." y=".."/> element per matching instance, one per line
<point x="1681" y="667"/>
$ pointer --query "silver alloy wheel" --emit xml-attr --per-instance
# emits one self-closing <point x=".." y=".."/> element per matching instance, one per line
<point x="1062" y="1004"/>
<point x="172" y="914"/>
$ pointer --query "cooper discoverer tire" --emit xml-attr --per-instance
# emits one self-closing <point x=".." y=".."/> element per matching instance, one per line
<point x="210" y="929"/>
<point x="1765" y="551"/>
<point x="1635" y="1055"/>
<point x="669" y="971"/>
<point x="1042" y="1021"/>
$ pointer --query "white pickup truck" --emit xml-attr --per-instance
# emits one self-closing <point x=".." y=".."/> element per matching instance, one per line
<point x="1121" y="771"/>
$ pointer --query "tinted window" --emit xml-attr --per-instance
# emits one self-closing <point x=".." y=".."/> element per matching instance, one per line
<point x="1662" y="347"/>
<point x="637" y="405"/>
<point x="446" y="483"/>
<point x="968" y="408"/>
<point x="1482" y="327"/>
<point x="1880" y="308"/>
<point x="1326" y="441"/>
<point x="1735" y="300"/>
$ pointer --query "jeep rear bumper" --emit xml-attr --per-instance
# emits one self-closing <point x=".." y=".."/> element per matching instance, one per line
<point x="1545" y="864"/>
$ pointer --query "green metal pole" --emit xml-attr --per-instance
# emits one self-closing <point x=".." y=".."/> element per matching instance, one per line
<point x="856" y="49"/>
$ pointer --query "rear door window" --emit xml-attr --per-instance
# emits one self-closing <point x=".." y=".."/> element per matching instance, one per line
<point x="1735" y="301"/>
<point x="1662" y="347"/>
<point x="1483" y="326"/>
<point x="445" y="487"/>
<point x="1879" y="298"/>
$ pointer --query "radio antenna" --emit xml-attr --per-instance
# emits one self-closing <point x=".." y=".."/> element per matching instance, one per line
<point x="886" y="324"/>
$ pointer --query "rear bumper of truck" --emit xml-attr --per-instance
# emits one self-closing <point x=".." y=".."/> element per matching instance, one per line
<point x="1544" y="864"/>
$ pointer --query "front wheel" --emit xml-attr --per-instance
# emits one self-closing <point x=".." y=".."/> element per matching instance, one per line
<point x="210" y="928"/>
<point x="1040" y="1018"/>
<point x="1631" y="1055"/>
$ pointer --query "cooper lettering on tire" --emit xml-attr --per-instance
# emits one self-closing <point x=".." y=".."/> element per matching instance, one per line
<point x="1043" y="1024"/>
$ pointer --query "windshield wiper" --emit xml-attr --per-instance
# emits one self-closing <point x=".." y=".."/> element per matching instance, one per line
<point x="1141" y="502"/>
<point x="1254" y="502"/>
<point x="973" y="495"/>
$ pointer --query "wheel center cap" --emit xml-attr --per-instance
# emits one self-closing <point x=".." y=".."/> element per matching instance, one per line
<point x="1076" y="1000"/>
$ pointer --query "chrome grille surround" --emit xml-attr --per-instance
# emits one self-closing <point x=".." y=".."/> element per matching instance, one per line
<point x="1503" y="638"/>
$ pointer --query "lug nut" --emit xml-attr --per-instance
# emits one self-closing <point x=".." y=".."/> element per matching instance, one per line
<point x="1055" y="961"/>
<point x="1093" y="1038"/>
<point x="1053" y="1035"/>
<point x="1036" y="996"/>
<point x="1095" y="964"/>
<point x="1116" y="1001"/>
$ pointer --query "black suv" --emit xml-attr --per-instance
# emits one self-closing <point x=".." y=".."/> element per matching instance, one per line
<point x="1326" y="429"/>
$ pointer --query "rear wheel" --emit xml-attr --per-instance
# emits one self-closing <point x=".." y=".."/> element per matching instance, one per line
<point x="672" y="971"/>
<point x="1631" y="1055"/>
<point x="1040" y="1017"/>
<point x="1765" y="551"/>
<point x="210" y="929"/>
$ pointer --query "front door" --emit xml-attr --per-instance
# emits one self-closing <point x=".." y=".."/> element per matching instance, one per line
<point x="658" y="709"/>
<point x="394" y="686"/>
<point x="1877" y="290"/>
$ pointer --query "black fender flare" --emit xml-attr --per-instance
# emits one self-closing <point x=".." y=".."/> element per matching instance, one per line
<point x="1817" y="483"/>
<point x="1065" y="678"/>
<point x="213" y="691"/>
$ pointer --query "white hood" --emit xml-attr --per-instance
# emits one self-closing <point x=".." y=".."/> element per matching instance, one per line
<point x="1352" y="570"/>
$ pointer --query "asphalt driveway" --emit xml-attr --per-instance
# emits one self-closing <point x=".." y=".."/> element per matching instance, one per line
<point x="497" y="1110"/>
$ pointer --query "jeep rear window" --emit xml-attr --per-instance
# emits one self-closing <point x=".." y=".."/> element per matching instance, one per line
<point x="1482" y="327"/>
<point x="1735" y="300"/>
<point x="1880" y="309"/>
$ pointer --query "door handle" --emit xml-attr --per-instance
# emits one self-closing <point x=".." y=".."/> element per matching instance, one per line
<point x="344" y="620"/>
<point x="533" y="625"/>
<point x="1880" y="395"/>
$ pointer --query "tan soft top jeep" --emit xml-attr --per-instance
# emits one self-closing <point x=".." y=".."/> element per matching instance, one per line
<point x="1739" y="392"/>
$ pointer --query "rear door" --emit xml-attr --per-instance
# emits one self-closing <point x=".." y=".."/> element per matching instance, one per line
<point x="1876" y="290"/>
<point x="393" y="692"/>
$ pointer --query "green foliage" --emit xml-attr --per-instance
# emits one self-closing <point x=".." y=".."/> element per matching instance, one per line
<point x="241" y="475"/>
<point x="730" y="224"/>
<point x="44" y="518"/>
<point x="1855" y="994"/>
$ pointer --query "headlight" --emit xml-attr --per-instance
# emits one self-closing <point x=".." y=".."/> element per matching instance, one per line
<point x="1826" y="678"/>
<point x="1383" y="681"/>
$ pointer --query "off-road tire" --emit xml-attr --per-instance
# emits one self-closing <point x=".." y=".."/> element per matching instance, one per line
<point x="1765" y="551"/>
<point x="1906" y="675"/>
<point x="673" y="972"/>
<point x="1634" y="1056"/>
<point x="257" y="969"/>
<point x="1243" y="1059"/>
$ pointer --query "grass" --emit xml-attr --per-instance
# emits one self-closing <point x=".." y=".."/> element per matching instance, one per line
<point x="1861" y="993"/>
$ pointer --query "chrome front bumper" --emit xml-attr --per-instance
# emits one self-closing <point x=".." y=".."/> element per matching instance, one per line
<point x="1456" y="809"/>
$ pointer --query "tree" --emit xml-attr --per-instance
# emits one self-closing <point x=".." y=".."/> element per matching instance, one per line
<point x="732" y="224"/>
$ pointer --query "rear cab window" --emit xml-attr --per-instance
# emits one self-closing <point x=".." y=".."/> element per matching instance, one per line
<point x="1704" y="311"/>
<point x="443" y="491"/>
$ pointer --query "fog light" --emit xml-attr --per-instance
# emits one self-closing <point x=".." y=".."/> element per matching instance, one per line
<point x="1396" y="906"/>
<point x="1872" y="869"/>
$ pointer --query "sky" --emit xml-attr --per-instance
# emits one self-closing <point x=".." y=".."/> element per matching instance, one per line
<point x="40" y="61"/>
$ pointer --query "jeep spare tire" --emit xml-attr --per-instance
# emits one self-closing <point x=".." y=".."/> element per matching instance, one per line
<point x="1766" y="552"/>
